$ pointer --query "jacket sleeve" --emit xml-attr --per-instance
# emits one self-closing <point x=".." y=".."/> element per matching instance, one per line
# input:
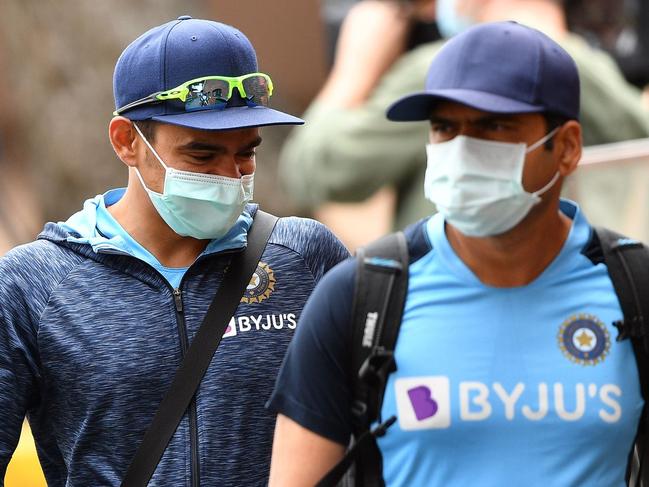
<point x="18" y="356"/>
<point x="314" y="242"/>
<point x="347" y="154"/>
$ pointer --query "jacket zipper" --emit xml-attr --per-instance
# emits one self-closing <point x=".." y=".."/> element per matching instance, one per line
<point x="193" y="422"/>
<point x="182" y="333"/>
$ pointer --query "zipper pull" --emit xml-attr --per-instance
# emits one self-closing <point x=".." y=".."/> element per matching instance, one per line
<point x="178" y="300"/>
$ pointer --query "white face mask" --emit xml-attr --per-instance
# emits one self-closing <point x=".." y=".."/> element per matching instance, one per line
<point x="203" y="206"/>
<point x="477" y="184"/>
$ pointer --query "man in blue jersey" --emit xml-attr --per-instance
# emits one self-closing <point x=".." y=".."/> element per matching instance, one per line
<point x="508" y="371"/>
<point x="97" y="313"/>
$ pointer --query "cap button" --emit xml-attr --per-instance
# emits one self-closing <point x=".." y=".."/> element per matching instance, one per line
<point x="185" y="17"/>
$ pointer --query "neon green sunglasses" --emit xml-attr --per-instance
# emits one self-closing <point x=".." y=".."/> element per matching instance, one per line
<point x="211" y="92"/>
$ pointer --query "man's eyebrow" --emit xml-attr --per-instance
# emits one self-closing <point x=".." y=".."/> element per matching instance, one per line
<point x="437" y="119"/>
<point x="202" y="146"/>
<point x="251" y="145"/>
<point x="479" y="120"/>
<point x="497" y="118"/>
<point x="217" y="148"/>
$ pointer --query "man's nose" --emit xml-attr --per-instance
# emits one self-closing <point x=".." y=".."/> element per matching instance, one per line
<point x="468" y="129"/>
<point x="228" y="167"/>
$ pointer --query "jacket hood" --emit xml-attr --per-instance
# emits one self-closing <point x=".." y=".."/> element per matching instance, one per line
<point x="80" y="232"/>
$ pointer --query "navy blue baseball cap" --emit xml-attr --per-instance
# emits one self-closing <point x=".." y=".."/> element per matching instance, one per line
<point x="500" y="67"/>
<point x="182" y="50"/>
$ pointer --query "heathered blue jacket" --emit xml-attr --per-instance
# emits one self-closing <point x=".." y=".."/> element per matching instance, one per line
<point x="89" y="343"/>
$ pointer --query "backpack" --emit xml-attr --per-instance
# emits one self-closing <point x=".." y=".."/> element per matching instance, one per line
<point x="379" y="299"/>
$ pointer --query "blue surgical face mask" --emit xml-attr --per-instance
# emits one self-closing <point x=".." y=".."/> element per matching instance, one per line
<point x="449" y="20"/>
<point x="477" y="184"/>
<point x="202" y="206"/>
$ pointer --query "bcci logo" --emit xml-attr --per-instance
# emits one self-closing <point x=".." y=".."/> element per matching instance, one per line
<point x="261" y="285"/>
<point x="584" y="339"/>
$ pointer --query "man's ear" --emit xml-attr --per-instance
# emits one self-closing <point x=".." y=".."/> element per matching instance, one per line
<point x="567" y="147"/>
<point x="123" y="138"/>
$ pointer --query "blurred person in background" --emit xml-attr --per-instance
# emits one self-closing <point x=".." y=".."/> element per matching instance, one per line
<point x="98" y="312"/>
<point x="620" y="28"/>
<point x="422" y="29"/>
<point x="348" y="152"/>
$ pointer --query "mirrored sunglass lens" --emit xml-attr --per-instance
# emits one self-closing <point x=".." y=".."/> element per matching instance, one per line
<point x="256" y="88"/>
<point x="207" y="93"/>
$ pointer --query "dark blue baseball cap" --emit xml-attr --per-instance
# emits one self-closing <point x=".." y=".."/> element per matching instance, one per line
<point x="500" y="67"/>
<point x="182" y="50"/>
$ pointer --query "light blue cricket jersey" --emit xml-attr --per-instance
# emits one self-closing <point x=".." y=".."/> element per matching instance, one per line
<point x="522" y="386"/>
<point x="511" y="386"/>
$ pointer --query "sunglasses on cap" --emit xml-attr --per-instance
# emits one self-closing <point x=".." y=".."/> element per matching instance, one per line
<point x="211" y="92"/>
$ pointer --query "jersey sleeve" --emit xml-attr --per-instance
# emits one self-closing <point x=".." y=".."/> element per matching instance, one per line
<point x="312" y="387"/>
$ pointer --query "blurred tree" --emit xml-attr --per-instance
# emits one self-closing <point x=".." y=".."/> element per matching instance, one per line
<point x="57" y="81"/>
<point x="19" y="214"/>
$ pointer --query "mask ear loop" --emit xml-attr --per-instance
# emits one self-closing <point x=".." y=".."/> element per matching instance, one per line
<point x="137" y="172"/>
<point x="542" y="140"/>
<point x="547" y="187"/>
<point x="150" y="146"/>
<point x="537" y="144"/>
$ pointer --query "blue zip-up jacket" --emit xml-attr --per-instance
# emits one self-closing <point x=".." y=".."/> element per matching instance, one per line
<point x="89" y="343"/>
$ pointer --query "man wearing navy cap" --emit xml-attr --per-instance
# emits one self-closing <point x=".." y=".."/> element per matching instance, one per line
<point x="507" y="367"/>
<point x="97" y="314"/>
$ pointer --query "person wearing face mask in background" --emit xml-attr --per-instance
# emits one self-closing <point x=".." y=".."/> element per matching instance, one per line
<point x="507" y="368"/>
<point x="97" y="313"/>
<point x="347" y="151"/>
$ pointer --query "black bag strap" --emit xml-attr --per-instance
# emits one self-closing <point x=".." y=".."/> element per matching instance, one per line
<point x="627" y="261"/>
<point x="366" y="440"/>
<point x="379" y="297"/>
<point x="200" y="353"/>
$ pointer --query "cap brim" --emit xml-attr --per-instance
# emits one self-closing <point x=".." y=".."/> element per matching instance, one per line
<point x="230" y="118"/>
<point x="419" y="106"/>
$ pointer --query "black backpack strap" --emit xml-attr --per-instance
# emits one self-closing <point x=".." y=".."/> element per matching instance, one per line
<point x="379" y="298"/>
<point x="627" y="261"/>
<point x="200" y="353"/>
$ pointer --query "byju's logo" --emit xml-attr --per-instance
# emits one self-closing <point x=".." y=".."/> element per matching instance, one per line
<point x="231" y="330"/>
<point x="423" y="402"/>
<point x="244" y="324"/>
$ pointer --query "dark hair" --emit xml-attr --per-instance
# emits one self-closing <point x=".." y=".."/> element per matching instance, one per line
<point x="148" y="128"/>
<point x="552" y="121"/>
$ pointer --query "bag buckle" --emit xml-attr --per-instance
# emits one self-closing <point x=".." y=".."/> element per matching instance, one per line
<point x="376" y="367"/>
<point x="635" y="329"/>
